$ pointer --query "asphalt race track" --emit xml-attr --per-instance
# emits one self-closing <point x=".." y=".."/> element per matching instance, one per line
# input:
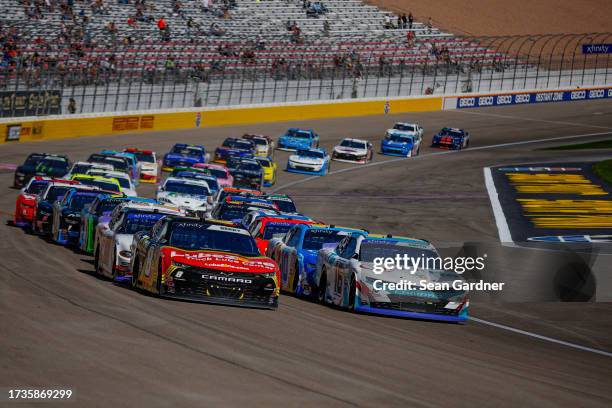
<point x="62" y="326"/>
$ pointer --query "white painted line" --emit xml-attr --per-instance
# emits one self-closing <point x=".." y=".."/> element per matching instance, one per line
<point x="498" y="212"/>
<point x="554" y="122"/>
<point x="539" y="336"/>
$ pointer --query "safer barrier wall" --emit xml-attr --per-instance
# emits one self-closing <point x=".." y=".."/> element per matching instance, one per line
<point x="37" y="129"/>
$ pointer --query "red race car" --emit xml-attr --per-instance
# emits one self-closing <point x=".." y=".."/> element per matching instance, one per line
<point x="274" y="226"/>
<point x="25" y="205"/>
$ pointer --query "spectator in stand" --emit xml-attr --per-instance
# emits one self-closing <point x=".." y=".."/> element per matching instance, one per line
<point x="429" y="24"/>
<point x="387" y="23"/>
<point x="326" y="28"/>
<point x="72" y="108"/>
<point x="161" y="24"/>
<point x="404" y="21"/>
<point x="410" y="39"/>
<point x="399" y="21"/>
<point x="410" y="20"/>
<point x="131" y="21"/>
<point x="205" y="5"/>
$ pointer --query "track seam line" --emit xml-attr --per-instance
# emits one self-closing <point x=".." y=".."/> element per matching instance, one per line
<point x="556" y="122"/>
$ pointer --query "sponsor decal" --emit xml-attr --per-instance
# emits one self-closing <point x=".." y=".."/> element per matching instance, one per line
<point x="597" y="48"/>
<point x="533" y="97"/>
<point x="133" y="123"/>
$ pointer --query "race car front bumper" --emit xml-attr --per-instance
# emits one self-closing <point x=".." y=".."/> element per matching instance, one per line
<point x="305" y="169"/>
<point x="348" y="158"/>
<point x="394" y="151"/>
<point x="148" y="178"/>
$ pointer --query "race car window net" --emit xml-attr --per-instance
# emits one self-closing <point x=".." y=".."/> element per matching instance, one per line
<point x="188" y="151"/>
<point x="188" y="189"/>
<point x="314" y="240"/>
<point x="135" y="222"/>
<point x="285" y="206"/>
<point x="36" y="187"/>
<point x="311" y="153"/>
<point x="144" y="157"/>
<point x="274" y="230"/>
<point x="353" y="144"/>
<point x="79" y="201"/>
<point x="371" y="250"/>
<point x="196" y="238"/>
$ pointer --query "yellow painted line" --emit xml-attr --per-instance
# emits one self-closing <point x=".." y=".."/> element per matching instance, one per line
<point x="580" y="189"/>
<point x="531" y="206"/>
<point x="546" y="178"/>
<point x="573" y="221"/>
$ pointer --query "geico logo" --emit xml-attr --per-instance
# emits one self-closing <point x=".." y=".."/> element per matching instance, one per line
<point x="504" y="99"/>
<point x="485" y="101"/>
<point x="596" y="93"/>
<point x="578" y="95"/>
<point x="522" y="98"/>
<point x="609" y="93"/>
<point x="226" y="279"/>
<point x="463" y="102"/>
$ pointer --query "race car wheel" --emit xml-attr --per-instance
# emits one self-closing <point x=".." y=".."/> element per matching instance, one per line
<point x="409" y="153"/>
<point x="467" y="144"/>
<point x="352" y="293"/>
<point x="322" y="291"/>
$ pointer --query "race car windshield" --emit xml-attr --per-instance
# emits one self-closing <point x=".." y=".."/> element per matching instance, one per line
<point x="399" y="138"/>
<point x="187" y="189"/>
<point x="197" y="237"/>
<point x="299" y="134"/>
<point x="36" y="187"/>
<point x="52" y="163"/>
<point x="264" y="163"/>
<point x="107" y="206"/>
<point x="123" y="182"/>
<point x="259" y="142"/>
<point x="238" y="144"/>
<point x="315" y="239"/>
<point x="276" y="230"/>
<point x="33" y="159"/>
<point x="187" y="151"/>
<point x="144" y="157"/>
<point x="285" y="206"/>
<point x="218" y="173"/>
<point x="104" y="185"/>
<point x="80" y="169"/>
<point x="135" y="222"/>
<point x="232" y="212"/>
<point x="311" y="153"/>
<point x="79" y="201"/>
<point x="405" y="128"/>
<point x="117" y="163"/>
<point x="55" y="192"/>
<point x="449" y="132"/>
<point x="371" y="250"/>
<point x="353" y="144"/>
<point x="249" y="166"/>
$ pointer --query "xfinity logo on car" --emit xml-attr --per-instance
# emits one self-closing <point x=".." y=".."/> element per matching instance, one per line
<point x="226" y="279"/>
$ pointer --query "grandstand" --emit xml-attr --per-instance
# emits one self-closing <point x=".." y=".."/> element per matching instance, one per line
<point x="113" y="55"/>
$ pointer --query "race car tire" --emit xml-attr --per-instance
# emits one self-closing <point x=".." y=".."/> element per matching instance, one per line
<point x="322" y="290"/>
<point x="467" y="144"/>
<point x="418" y="150"/>
<point x="409" y="153"/>
<point x="352" y="293"/>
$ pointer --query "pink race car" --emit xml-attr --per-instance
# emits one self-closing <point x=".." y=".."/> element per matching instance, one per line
<point x="224" y="178"/>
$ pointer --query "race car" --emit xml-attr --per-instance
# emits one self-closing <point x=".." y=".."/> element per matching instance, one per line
<point x="66" y="225"/>
<point x="205" y="261"/>
<point x="224" y="178"/>
<point x="125" y="182"/>
<point x="134" y="166"/>
<point x="269" y="170"/>
<point x="104" y="183"/>
<point x="345" y="276"/>
<point x="272" y="226"/>
<point x="285" y="203"/>
<point x="309" y="161"/>
<point x="186" y="194"/>
<point x="353" y="151"/>
<point x="403" y="140"/>
<point x="185" y="155"/>
<point x="223" y="193"/>
<point x="248" y="173"/>
<point x="264" y="145"/>
<point x="41" y="164"/>
<point x="234" y="209"/>
<point x="295" y="139"/>
<point x="451" y="138"/>
<point x="213" y="184"/>
<point x="147" y="160"/>
<point x="26" y="201"/>
<point x="112" y="254"/>
<point x="117" y="162"/>
<point x="296" y="254"/>
<point x="43" y="209"/>
<point x="84" y="167"/>
<point x="233" y="147"/>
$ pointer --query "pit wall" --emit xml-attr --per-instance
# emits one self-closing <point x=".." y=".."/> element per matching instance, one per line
<point x="30" y="129"/>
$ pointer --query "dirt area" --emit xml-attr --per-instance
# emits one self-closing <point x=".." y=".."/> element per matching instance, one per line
<point x="503" y="17"/>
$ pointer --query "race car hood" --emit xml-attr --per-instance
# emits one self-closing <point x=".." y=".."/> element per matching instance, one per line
<point x="350" y="150"/>
<point x="401" y="132"/>
<point x="228" y="151"/>
<point x="220" y="261"/>
<point x="391" y="143"/>
<point x="182" y="200"/>
<point x="312" y="161"/>
<point x="148" y="166"/>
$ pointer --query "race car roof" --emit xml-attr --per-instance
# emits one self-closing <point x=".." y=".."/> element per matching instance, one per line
<point x="420" y="243"/>
<point x="350" y="139"/>
<point x="150" y="207"/>
<point x="193" y="182"/>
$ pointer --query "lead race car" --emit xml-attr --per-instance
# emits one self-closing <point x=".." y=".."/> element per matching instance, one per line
<point x="345" y="277"/>
<point x="204" y="260"/>
<point x="451" y="138"/>
<point x="404" y="139"/>
<point x="353" y="151"/>
<point x="295" y="139"/>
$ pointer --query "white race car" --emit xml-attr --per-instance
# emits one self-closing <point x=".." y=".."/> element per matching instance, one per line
<point x="147" y="161"/>
<point x="125" y="182"/>
<point x="309" y="161"/>
<point x="83" y="167"/>
<point x="353" y="151"/>
<point x="112" y="254"/>
<point x="187" y="194"/>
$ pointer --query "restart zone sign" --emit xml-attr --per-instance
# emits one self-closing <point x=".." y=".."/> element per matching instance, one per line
<point x="533" y="97"/>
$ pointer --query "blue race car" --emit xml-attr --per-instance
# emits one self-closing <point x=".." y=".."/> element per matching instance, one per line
<point x="296" y="254"/>
<point x="183" y="155"/>
<point x="451" y="139"/>
<point x="296" y="139"/>
<point x="309" y="161"/>
<point x="67" y="215"/>
<point x="403" y="140"/>
<point x="233" y="147"/>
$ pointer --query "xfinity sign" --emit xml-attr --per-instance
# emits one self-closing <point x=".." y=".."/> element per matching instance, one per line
<point x="597" y="48"/>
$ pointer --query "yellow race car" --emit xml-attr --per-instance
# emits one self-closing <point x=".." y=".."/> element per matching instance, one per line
<point x="105" y="183"/>
<point x="269" y="168"/>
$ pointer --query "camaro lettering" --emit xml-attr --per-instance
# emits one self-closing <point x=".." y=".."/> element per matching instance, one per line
<point x="226" y="279"/>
